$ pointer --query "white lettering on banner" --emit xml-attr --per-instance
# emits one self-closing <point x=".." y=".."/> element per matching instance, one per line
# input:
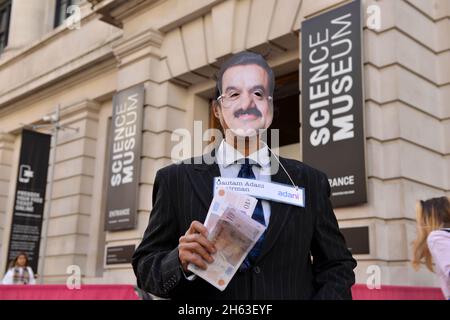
<point x="119" y="213"/>
<point x="123" y="154"/>
<point x="25" y="201"/>
<point x="263" y="190"/>
<point x="320" y="86"/>
<point x="342" y="181"/>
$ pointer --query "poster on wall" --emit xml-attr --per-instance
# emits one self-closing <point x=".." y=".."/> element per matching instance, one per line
<point x="29" y="198"/>
<point x="333" y="138"/>
<point x="124" y="159"/>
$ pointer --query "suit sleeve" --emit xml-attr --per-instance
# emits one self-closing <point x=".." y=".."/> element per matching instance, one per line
<point x="155" y="261"/>
<point x="333" y="263"/>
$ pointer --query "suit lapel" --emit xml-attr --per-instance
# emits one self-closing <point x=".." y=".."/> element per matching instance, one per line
<point x="201" y="177"/>
<point x="279" y="212"/>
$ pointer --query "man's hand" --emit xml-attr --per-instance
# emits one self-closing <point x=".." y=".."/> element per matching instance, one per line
<point x="195" y="248"/>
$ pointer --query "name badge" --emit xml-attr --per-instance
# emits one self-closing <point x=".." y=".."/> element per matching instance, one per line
<point x="262" y="190"/>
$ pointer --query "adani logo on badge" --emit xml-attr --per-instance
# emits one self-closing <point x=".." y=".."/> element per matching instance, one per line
<point x="288" y="195"/>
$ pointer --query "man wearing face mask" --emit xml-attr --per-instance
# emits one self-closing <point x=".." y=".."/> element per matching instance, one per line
<point x="301" y="255"/>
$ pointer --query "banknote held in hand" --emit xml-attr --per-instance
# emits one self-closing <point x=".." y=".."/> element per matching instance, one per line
<point x="234" y="233"/>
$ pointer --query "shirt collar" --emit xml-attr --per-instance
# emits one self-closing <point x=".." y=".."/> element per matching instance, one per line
<point x="227" y="155"/>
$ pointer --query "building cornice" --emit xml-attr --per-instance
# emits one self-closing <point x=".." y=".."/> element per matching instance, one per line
<point x="147" y="43"/>
<point x="6" y="139"/>
<point x="115" y="11"/>
<point x="85" y="106"/>
<point x="88" y="62"/>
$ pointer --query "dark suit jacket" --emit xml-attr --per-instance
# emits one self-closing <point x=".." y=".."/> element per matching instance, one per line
<point x="304" y="255"/>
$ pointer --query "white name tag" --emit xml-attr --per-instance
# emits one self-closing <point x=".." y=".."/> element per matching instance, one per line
<point x="262" y="190"/>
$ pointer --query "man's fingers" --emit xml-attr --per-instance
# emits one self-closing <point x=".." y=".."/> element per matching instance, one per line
<point x="187" y="257"/>
<point x="198" y="238"/>
<point x="197" y="227"/>
<point x="195" y="247"/>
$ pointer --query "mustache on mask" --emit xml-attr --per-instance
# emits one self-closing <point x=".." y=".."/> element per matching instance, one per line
<point x="250" y="111"/>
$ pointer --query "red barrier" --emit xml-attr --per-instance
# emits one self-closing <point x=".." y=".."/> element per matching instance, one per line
<point x="62" y="292"/>
<point x="361" y="292"/>
<point x="127" y="292"/>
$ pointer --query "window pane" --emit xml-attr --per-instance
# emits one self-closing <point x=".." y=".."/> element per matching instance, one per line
<point x="2" y="20"/>
<point x="5" y="8"/>
<point x="61" y="13"/>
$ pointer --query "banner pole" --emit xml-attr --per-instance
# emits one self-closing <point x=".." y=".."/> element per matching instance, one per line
<point x="48" y="206"/>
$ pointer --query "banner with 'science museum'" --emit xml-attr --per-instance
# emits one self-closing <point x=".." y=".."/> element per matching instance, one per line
<point x="124" y="159"/>
<point x="333" y="102"/>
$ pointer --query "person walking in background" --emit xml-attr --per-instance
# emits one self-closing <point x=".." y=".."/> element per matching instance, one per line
<point x="19" y="272"/>
<point x="433" y="239"/>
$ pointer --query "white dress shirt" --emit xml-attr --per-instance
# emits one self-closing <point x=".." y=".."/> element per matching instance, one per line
<point x="227" y="156"/>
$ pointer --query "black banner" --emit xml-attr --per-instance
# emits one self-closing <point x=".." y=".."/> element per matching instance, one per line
<point x="30" y="197"/>
<point x="124" y="159"/>
<point x="332" y="101"/>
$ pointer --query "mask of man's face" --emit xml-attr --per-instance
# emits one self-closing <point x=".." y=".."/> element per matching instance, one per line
<point x="245" y="105"/>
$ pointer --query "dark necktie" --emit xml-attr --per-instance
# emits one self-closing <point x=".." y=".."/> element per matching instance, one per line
<point x="258" y="215"/>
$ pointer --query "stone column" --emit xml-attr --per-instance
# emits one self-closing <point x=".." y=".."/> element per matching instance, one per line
<point x="6" y="176"/>
<point x="406" y="90"/>
<point x="68" y="235"/>
<point x="140" y="62"/>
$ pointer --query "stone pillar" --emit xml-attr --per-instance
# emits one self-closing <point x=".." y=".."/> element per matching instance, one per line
<point x="68" y="235"/>
<point x="140" y="62"/>
<point x="6" y="176"/>
<point x="164" y="113"/>
<point x="407" y="124"/>
<point x="407" y="90"/>
<point x="442" y="20"/>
